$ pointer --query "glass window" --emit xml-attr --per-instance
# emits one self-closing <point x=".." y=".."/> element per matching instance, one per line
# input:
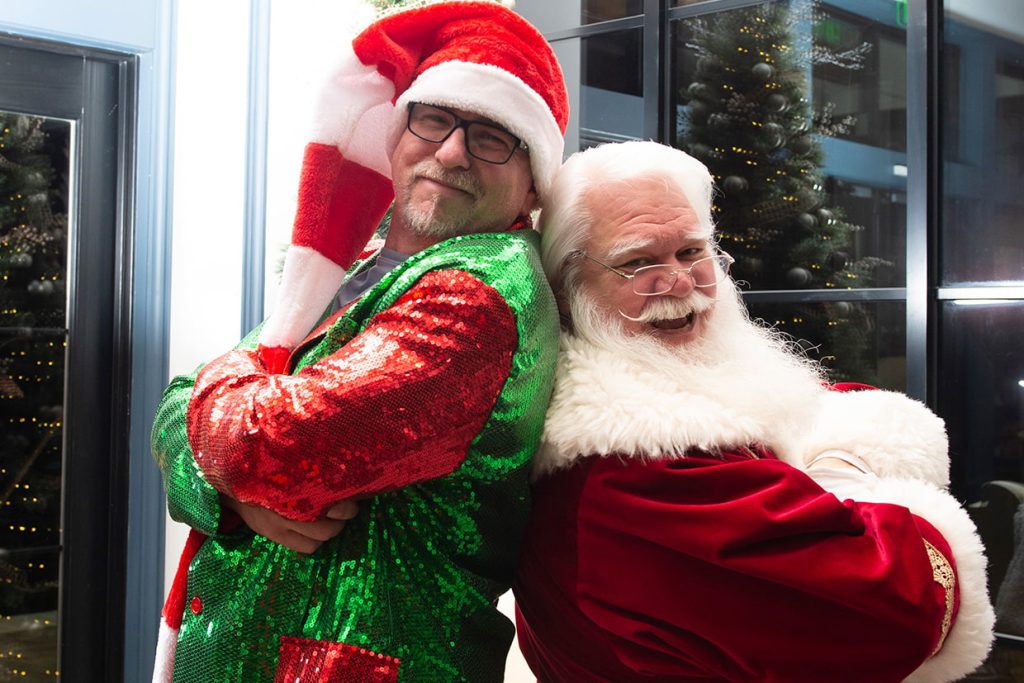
<point x="33" y="270"/>
<point x="981" y="397"/>
<point x="860" y="84"/>
<point x="856" y="341"/>
<point x="798" y="206"/>
<point x="611" y="92"/>
<point x="550" y="16"/>
<point x="593" y="11"/>
<point x="981" y="240"/>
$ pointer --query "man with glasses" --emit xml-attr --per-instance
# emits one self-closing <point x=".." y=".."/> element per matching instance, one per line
<point x="358" y="485"/>
<point x="705" y="507"/>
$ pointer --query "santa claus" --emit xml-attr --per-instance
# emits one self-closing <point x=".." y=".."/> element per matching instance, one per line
<point x="706" y="507"/>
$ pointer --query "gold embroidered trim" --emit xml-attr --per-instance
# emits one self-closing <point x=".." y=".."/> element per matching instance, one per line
<point x="942" y="572"/>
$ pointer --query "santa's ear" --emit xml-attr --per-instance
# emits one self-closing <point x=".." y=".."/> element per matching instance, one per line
<point x="562" y="300"/>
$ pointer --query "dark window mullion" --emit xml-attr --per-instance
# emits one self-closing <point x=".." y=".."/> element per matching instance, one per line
<point x="816" y="295"/>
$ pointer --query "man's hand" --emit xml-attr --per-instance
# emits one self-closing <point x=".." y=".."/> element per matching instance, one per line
<point x="302" y="537"/>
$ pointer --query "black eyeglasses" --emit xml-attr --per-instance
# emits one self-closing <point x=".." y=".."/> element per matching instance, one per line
<point x="484" y="141"/>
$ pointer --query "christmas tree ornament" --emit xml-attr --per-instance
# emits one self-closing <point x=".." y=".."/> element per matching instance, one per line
<point x="843" y="309"/>
<point x="698" y="110"/>
<point x="801" y="145"/>
<point x="837" y="260"/>
<point x="762" y="71"/>
<point x="774" y="134"/>
<point x="807" y="221"/>
<point x="776" y="102"/>
<point x="735" y="184"/>
<point x="700" y="150"/>
<point x="699" y="90"/>
<point x="825" y="216"/>
<point x="707" y="65"/>
<point x="798" y="277"/>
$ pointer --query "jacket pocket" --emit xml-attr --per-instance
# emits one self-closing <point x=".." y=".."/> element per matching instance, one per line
<point x="320" y="661"/>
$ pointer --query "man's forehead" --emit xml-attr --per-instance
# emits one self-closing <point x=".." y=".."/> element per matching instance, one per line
<point x="629" y="217"/>
<point x="469" y="115"/>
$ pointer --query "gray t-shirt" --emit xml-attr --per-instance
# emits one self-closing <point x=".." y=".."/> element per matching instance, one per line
<point x="360" y="283"/>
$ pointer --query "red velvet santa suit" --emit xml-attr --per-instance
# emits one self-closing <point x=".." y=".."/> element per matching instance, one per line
<point x="665" y="544"/>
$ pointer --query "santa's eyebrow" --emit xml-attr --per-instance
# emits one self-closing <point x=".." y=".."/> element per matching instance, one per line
<point x="626" y="246"/>
<point x="635" y="244"/>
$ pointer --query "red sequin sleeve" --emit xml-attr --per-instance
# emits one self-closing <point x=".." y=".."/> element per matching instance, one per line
<point x="398" y="404"/>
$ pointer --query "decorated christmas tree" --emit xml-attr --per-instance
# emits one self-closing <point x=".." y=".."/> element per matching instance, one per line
<point x="33" y="254"/>
<point x="749" y="119"/>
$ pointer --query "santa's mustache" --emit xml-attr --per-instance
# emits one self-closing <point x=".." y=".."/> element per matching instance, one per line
<point x="669" y="308"/>
<point x="459" y="179"/>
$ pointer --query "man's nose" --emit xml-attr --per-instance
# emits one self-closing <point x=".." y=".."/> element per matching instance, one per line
<point x="452" y="152"/>
<point x="683" y="286"/>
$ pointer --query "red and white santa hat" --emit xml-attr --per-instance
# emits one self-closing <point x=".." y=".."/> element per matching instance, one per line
<point x="478" y="56"/>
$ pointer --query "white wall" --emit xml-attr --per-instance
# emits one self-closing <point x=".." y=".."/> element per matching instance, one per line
<point x="209" y="118"/>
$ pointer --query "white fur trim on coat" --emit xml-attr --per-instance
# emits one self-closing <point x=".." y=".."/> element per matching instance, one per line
<point x="608" y="404"/>
<point x="969" y="639"/>
<point x="894" y="435"/>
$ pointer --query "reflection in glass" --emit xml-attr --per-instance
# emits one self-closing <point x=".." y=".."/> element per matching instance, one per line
<point x="560" y="15"/>
<point x="592" y="11"/>
<point x="796" y="209"/>
<point x="611" y="93"/>
<point x="982" y="241"/>
<point x="33" y="270"/>
<point x="863" y="90"/>
<point x="981" y="397"/>
<point x="856" y="341"/>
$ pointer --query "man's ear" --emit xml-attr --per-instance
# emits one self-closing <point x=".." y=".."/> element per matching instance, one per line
<point x="530" y="202"/>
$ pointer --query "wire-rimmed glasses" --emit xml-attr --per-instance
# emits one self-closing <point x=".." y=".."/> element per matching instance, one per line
<point x="661" y="278"/>
<point x="484" y="141"/>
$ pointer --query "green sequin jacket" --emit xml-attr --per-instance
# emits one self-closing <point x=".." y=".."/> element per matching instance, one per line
<point x="425" y="399"/>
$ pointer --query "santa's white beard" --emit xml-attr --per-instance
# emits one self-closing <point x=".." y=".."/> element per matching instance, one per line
<point x="762" y="373"/>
